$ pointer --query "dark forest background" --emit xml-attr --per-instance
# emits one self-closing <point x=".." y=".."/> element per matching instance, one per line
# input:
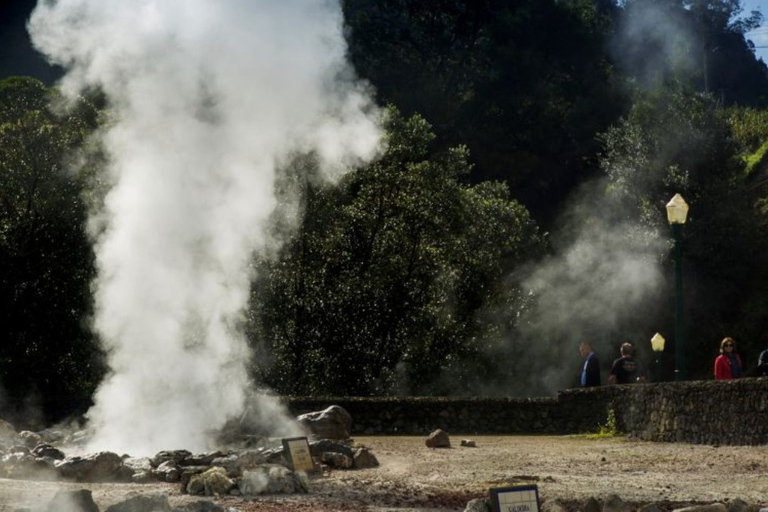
<point x="518" y="210"/>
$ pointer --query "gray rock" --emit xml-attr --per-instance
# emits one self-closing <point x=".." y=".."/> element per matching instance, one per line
<point x="176" y="456"/>
<point x="150" y="503"/>
<point x="331" y="423"/>
<point x="438" y="439"/>
<point x="555" y="505"/>
<point x="478" y="505"/>
<point x="80" y="500"/>
<point x="30" y="439"/>
<point x="712" y="507"/>
<point x="592" y="505"/>
<point x="364" y="458"/>
<point x="202" y="459"/>
<point x="46" y="450"/>
<point x="271" y="479"/>
<point x="8" y="435"/>
<point x="200" y="506"/>
<point x="739" y="505"/>
<point x="167" y="471"/>
<point x="337" y="460"/>
<point x="94" y="467"/>
<point x="318" y="448"/>
<point x="614" y="503"/>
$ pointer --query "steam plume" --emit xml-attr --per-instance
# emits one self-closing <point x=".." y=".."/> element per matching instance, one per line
<point x="209" y="98"/>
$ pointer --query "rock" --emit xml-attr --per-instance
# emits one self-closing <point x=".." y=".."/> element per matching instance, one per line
<point x="176" y="456"/>
<point x="591" y="505"/>
<point x="331" y="423"/>
<point x="364" y="458"/>
<point x="46" y="450"/>
<point x="202" y="459"/>
<point x="468" y="443"/>
<point x="30" y="439"/>
<point x="26" y="466"/>
<point x="80" y="500"/>
<point x="167" y="471"/>
<point x="438" y="439"/>
<point x="94" y="467"/>
<point x="738" y="505"/>
<point x="8" y="435"/>
<point x="712" y="507"/>
<point x="151" y="503"/>
<point x="614" y="503"/>
<point x="200" y="506"/>
<point x="271" y="479"/>
<point x="478" y="505"/>
<point x="555" y="505"/>
<point x="213" y="482"/>
<point x="337" y="460"/>
<point x="317" y="448"/>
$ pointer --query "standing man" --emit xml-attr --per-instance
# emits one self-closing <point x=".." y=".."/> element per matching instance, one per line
<point x="590" y="372"/>
<point x="626" y="369"/>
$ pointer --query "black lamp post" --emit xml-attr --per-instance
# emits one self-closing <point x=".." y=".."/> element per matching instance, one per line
<point x="677" y="213"/>
<point x="657" y="344"/>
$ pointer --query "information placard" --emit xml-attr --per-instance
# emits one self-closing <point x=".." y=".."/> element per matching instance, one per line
<point x="518" y="498"/>
<point x="297" y="453"/>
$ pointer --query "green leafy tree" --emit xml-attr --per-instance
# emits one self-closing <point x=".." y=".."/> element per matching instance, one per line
<point x="525" y="84"/>
<point x="384" y="284"/>
<point x="47" y="357"/>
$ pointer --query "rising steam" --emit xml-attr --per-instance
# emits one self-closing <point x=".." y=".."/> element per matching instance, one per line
<point x="209" y="99"/>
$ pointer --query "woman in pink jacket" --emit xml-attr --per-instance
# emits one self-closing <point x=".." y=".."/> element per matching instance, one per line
<point x="728" y="363"/>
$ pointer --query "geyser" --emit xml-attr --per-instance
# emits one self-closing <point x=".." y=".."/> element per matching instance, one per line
<point x="207" y="99"/>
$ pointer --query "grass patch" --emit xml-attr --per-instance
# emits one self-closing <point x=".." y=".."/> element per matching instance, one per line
<point x="609" y="430"/>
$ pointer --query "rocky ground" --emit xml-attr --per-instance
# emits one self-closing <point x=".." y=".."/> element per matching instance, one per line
<point x="413" y="477"/>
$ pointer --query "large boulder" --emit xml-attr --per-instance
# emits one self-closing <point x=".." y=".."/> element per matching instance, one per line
<point x="80" y="500"/>
<point x="331" y="423"/>
<point x="94" y="467"/>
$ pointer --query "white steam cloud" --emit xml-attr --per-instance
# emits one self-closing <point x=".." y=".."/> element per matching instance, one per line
<point x="209" y="99"/>
<point x="654" y="42"/>
<point x="605" y="267"/>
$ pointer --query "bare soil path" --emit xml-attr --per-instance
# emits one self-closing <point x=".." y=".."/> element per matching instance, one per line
<point x="416" y="478"/>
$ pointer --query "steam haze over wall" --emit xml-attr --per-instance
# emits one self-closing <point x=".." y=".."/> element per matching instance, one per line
<point x="603" y="269"/>
<point x="209" y="99"/>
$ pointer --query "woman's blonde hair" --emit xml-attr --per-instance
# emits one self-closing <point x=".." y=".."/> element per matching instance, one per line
<point x="727" y="339"/>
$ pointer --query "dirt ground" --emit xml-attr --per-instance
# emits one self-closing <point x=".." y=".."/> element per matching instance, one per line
<point x="416" y="478"/>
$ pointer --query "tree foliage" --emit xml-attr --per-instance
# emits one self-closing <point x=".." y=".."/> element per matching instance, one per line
<point x="45" y="255"/>
<point x="383" y="285"/>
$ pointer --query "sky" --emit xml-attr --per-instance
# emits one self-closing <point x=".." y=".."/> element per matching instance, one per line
<point x="760" y="35"/>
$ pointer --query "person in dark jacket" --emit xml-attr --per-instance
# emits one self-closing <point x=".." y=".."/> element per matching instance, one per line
<point x="626" y="369"/>
<point x="590" y="372"/>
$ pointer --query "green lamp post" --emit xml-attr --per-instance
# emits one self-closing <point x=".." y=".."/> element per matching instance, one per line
<point x="657" y="344"/>
<point x="677" y="213"/>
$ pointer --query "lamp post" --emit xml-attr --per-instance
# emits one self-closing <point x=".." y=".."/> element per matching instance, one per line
<point x="657" y="344"/>
<point x="677" y="213"/>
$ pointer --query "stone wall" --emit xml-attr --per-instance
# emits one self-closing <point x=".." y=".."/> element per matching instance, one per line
<point x="708" y="412"/>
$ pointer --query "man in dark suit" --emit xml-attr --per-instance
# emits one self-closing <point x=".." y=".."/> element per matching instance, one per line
<point x="590" y="372"/>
